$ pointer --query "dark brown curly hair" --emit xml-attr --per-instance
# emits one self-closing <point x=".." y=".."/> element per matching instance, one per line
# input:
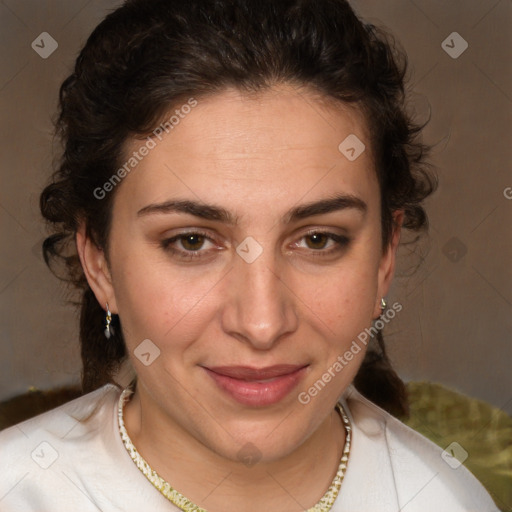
<point x="145" y="57"/>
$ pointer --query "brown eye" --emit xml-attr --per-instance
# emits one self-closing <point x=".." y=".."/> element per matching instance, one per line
<point x="188" y="246"/>
<point x="318" y="240"/>
<point x="192" y="242"/>
<point x="324" y="244"/>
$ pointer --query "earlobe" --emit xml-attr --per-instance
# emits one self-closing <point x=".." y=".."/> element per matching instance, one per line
<point x="95" y="267"/>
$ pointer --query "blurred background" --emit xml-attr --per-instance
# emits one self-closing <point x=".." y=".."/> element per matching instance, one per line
<point x="455" y="286"/>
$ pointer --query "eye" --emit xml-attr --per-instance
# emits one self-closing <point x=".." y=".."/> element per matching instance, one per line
<point x="318" y="241"/>
<point x="191" y="245"/>
<point x="191" y="242"/>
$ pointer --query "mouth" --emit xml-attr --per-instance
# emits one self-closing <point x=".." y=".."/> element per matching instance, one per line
<point x="257" y="386"/>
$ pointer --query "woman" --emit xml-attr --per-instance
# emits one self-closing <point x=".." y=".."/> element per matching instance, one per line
<point x="234" y="183"/>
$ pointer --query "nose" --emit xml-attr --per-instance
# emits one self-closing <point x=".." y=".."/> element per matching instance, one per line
<point x="260" y="307"/>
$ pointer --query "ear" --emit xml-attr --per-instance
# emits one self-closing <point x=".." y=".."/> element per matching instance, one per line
<point x="387" y="263"/>
<point x="95" y="266"/>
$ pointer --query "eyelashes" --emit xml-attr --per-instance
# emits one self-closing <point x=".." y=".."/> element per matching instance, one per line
<point x="192" y="243"/>
<point x="188" y="237"/>
<point x="340" y="241"/>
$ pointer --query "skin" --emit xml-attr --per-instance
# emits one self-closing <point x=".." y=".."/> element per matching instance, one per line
<point x="257" y="156"/>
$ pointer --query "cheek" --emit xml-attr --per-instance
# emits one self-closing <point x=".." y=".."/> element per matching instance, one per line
<point x="341" y="315"/>
<point x="157" y="300"/>
<point x="344" y="298"/>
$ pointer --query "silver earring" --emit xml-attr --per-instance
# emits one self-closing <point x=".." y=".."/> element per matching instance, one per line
<point x="108" y="329"/>
<point x="383" y="304"/>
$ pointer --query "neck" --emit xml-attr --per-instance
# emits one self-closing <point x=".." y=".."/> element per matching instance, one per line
<point x="295" y="482"/>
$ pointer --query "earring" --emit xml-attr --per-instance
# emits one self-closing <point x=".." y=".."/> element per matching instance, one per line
<point x="383" y="304"/>
<point x="108" y="329"/>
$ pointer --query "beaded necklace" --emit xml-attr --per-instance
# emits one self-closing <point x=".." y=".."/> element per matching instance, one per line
<point x="324" y="505"/>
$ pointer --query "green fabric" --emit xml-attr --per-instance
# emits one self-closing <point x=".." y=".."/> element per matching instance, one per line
<point x="485" y="432"/>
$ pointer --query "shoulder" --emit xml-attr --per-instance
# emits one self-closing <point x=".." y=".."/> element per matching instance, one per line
<point x="420" y="473"/>
<point x="85" y="411"/>
<point x="40" y="456"/>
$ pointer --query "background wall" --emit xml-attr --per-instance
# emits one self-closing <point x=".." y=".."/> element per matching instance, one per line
<point x="456" y="323"/>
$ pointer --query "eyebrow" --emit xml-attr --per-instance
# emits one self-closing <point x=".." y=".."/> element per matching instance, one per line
<point x="217" y="213"/>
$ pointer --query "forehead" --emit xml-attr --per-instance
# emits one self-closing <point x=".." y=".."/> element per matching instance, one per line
<point x="281" y="140"/>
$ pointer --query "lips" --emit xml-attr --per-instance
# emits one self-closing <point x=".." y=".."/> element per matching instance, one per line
<point x="257" y="386"/>
<point x="253" y="374"/>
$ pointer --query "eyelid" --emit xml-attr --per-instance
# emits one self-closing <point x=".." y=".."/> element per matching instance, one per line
<point x="324" y="231"/>
<point x="341" y="241"/>
<point x="166" y="243"/>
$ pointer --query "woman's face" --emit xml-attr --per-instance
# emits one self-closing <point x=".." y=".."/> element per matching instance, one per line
<point x="273" y="258"/>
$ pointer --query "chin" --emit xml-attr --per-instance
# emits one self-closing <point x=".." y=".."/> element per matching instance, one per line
<point x="270" y="442"/>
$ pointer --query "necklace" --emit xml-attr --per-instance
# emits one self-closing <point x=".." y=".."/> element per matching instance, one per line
<point x="183" y="503"/>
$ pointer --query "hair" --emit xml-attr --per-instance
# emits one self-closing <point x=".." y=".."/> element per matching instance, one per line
<point x="148" y="56"/>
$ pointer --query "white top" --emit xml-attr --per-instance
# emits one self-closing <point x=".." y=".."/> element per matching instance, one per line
<point x="73" y="459"/>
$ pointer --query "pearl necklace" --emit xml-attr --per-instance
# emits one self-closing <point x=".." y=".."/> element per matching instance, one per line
<point x="324" y="505"/>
